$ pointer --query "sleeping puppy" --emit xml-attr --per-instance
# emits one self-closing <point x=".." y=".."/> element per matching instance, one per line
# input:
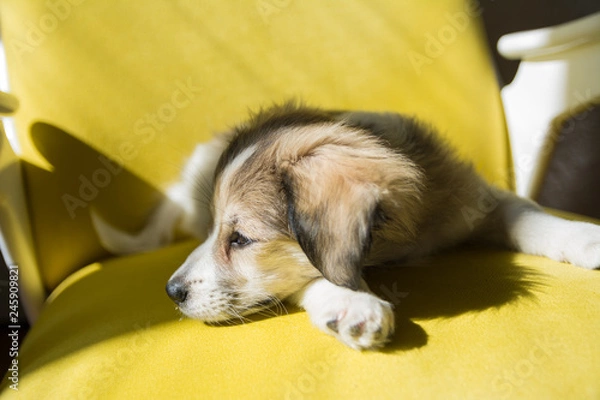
<point x="303" y="199"/>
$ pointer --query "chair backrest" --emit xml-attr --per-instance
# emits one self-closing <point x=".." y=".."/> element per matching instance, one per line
<point x="16" y="241"/>
<point x="114" y="95"/>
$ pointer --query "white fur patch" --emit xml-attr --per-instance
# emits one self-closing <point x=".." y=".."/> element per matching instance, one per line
<point x="535" y="232"/>
<point x="360" y="320"/>
<point x="233" y="167"/>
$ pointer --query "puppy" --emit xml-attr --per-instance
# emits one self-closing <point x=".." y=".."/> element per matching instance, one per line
<point x="303" y="199"/>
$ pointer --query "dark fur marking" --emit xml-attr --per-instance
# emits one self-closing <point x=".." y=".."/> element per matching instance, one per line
<point x="333" y="325"/>
<point x="302" y="232"/>
<point x="357" y="330"/>
<point x="265" y="123"/>
<point x="313" y="240"/>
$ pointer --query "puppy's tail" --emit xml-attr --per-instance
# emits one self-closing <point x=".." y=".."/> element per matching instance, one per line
<point x="159" y="230"/>
<point x="181" y="209"/>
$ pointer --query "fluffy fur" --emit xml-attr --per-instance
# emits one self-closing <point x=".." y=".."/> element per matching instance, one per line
<point x="303" y="199"/>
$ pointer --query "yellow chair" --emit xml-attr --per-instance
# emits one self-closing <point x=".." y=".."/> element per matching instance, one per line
<point x="113" y="97"/>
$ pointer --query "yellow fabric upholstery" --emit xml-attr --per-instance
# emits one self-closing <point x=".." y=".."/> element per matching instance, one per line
<point x="114" y="95"/>
<point x="472" y="324"/>
<point x="105" y="82"/>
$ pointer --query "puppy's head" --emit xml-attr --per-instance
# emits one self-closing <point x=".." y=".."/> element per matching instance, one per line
<point x="298" y="195"/>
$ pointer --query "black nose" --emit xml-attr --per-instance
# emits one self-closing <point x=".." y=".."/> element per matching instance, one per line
<point x="177" y="291"/>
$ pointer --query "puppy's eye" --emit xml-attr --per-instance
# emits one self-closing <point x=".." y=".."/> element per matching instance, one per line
<point x="238" y="240"/>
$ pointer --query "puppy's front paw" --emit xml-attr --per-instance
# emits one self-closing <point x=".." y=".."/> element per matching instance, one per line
<point x="358" y="319"/>
<point x="582" y="245"/>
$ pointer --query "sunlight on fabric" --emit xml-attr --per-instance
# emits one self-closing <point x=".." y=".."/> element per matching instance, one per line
<point x="8" y="122"/>
<point x="80" y="274"/>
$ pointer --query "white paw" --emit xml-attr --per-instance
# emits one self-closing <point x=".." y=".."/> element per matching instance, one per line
<point x="582" y="245"/>
<point x="358" y="319"/>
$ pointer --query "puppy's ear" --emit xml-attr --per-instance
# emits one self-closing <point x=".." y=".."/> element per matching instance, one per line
<point x="333" y="200"/>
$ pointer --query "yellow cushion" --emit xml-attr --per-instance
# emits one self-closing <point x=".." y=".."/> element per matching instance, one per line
<point x="101" y="82"/>
<point x="472" y="324"/>
<point x="142" y="83"/>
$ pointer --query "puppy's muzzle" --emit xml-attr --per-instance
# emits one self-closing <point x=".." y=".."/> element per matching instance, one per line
<point x="177" y="290"/>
